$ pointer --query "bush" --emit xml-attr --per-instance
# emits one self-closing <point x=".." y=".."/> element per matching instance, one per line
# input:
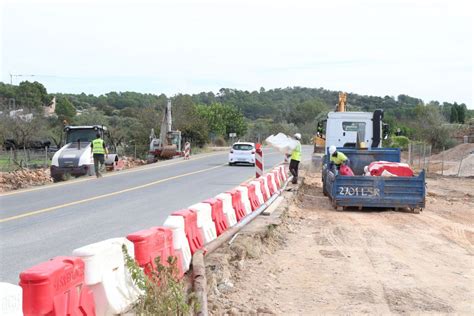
<point x="220" y="141"/>
<point x="399" y="142"/>
<point x="163" y="293"/>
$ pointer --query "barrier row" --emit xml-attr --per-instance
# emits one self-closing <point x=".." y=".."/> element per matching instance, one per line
<point x="95" y="281"/>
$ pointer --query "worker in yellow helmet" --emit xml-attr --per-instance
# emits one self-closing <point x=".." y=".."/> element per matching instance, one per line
<point x="99" y="150"/>
<point x="337" y="159"/>
<point x="295" y="158"/>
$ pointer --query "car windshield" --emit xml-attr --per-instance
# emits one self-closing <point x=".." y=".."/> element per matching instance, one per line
<point x="84" y="135"/>
<point x="242" y="147"/>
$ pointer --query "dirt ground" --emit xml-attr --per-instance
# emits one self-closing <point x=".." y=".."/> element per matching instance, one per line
<point x="314" y="260"/>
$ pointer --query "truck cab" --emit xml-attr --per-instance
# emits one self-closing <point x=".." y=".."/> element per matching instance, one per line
<point x="350" y="130"/>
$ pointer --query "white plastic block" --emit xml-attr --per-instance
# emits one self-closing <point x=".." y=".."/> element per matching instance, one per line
<point x="180" y="242"/>
<point x="10" y="299"/>
<point x="272" y="176"/>
<point x="258" y="192"/>
<point x="265" y="181"/>
<point x="227" y="207"/>
<point x="106" y="275"/>
<point x="285" y="174"/>
<point x="204" y="221"/>
<point x="276" y="177"/>
<point x="245" y="199"/>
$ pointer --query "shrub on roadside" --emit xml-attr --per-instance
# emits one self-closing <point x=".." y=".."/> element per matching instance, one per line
<point x="399" y="142"/>
<point x="163" y="293"/>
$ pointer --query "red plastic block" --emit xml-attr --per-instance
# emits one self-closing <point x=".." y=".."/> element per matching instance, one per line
<point x="169" y="248"/>
<point x="262" y="188"/>
<point x="193" y="234"/>
<point x="254" y="202"/>
<point x="218" y="215"/>
<point x="271" y="187"/>
<point x="237" y="204"/>
<point x="56" y="287"/>
<point x="149" y="244"/>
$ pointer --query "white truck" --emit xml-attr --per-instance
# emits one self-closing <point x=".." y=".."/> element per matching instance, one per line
<point x="75" y="158"/>
<point x="352" y="129"/>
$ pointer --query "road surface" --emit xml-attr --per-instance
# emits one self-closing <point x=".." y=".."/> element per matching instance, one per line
<point x="43" y="222"/>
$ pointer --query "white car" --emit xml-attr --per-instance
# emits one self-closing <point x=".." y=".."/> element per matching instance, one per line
<point x="242" y="152"/>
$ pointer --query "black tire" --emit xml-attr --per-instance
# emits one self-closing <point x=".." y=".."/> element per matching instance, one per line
<point x="57" y="178"/>
<point x="231" y="164"/>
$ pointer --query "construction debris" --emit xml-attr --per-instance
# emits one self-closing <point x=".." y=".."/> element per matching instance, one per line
<point x="130" y="162"/>
<point x="24" y="178"/>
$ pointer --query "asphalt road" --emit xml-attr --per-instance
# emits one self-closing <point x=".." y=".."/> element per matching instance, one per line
<point x="43" y="222"/>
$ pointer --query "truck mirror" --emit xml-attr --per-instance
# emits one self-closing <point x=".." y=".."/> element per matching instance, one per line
<point x="385" y="130"/>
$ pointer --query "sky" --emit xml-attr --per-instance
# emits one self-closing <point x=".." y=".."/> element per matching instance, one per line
<point x="423" y="48"/>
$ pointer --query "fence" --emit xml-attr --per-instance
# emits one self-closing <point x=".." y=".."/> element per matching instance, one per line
<point x="419" y="155"/>
<point x="454" y="162"/>
<point x="14" y="159"/>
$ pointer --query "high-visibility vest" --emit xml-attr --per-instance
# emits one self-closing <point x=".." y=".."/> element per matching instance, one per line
<point x="339" y="159"/>
<point x="98" y="146"/>
<point x="296" y="155"/>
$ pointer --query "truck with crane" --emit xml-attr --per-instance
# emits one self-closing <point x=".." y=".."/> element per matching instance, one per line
<point x="359" y="136"/>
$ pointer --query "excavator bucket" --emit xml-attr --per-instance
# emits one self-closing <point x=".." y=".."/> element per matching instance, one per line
<point x="168" y="151"/>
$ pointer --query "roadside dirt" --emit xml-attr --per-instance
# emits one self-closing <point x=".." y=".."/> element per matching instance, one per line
<point x="315" y="260"/>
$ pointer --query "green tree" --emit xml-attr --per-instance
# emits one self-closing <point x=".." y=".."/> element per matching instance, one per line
<point x="453" y="118"/>
<point x="64" y="109"/>
<point x="223" y="119"/>
<point x="32" y="95"/>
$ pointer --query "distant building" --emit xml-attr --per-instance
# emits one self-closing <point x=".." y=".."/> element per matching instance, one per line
<point x="50" y="109"/>
<point x="19" y="114"/>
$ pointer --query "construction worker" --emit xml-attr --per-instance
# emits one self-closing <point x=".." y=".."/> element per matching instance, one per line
<point x="98" y="151"/>
<point x="295" y="158"/>
<point x="337" y="159"/>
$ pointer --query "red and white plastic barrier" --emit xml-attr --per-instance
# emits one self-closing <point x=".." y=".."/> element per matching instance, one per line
<point x="227" y="207"/>
<point x="187" y="150"/>
<point x="244" y="195"/>
<point x="57" y="287"/>
<point x="258" y="192"/>
<point x="204" y="221"/>
<point x="218" y="215"/>
<point x="96" y="282"/>
<point x="258" y="161"/>
<point x="180" y="242"/>
<point x="105" y="274"/>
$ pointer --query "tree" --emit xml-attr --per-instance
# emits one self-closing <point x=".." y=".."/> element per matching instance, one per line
<point x="64" y="109"/>
<point x="453" y="117"/>
<point x="430" y="126"/>
<point x="223" y="119"/>
<point x="32" y="95"/>
<point x="24" y="131"/>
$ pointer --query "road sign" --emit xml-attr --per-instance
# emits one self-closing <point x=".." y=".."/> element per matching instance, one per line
<point x="232" y="134"/>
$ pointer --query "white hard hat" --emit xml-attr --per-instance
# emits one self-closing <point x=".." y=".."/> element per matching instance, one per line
<point x="297" y="136"/>
<point x="332" y="149"/>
